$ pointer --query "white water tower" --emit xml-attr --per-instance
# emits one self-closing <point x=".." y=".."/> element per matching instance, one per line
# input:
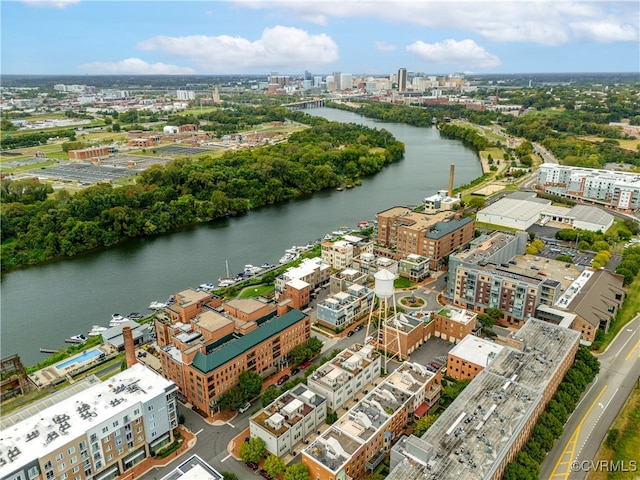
<point x="387" y="337"/>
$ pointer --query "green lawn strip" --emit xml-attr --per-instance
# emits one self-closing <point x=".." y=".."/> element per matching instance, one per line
<point x="628" y="445"/>
<point x="257" y="291"/>
<point x="629" y="310"/>
<point x="402" y="282"/>
<point x="490" y="226"/>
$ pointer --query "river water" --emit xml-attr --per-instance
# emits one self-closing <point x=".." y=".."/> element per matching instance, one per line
<point x="42" y="305"/>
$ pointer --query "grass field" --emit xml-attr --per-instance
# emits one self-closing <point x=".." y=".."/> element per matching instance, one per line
<point x="627" y="446"/>
<point x="629" y="310"/>
<point x="490" y="226"/>
<point x="630" y="144"/>
<point x="257" y="291"/>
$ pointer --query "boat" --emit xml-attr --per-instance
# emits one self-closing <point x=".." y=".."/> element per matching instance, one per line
<point x="157" y="305"/>
<point x="96" y="330"/>
<point x="225" y="282"/>
<point x="78" y="338"/>
<point x="288" y="257"/>
<point x="207" y="286"/>
<point x="266" y="265"/>
<point x="117" y="319"/>
<point x="252" y="270"/>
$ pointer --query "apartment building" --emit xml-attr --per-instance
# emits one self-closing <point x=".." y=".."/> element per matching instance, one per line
<point x="344" y="308"/>
<point x="414" y="267"/>
<point x="452" y="323"/>
<point x="471" y="356"/>
<point x="193" y="468"/>
<point x="360" y="244"/>
<point x="347" y="374"/>
<point x="403" y="334"/>
<point x="402" y="231"/>
<point x="488" y="424"/>
<point x="93" y="429"/>
<point x="360" y="440"/>
<point x="289" y="420"/>
<point x="206" y="355"/>
<point x="338" y="254"/>
<point x="620" y="190"/>
<point x="369" y="264"/>
<point x="343" y="279"/>
<point x="312" y="271"/>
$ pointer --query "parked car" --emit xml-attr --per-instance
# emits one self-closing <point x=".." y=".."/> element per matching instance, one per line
<point x="305" y="365"/>
<point x="351" y="332"/>
<point x="435" y="365"/>
<point x="265" y="474"/>
<point x="430" y="368"/>
<point x="252" y="465"/>
<point x="358" y="328"/>
<point x="245" y="407"/>
<point x="283" y="379"/>
<point x="294" y="371"/>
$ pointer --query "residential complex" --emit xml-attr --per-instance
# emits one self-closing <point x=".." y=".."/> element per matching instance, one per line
<point x="452" y="323"/>
<point x="619" y="190"/>
<point x="297" y="283"/>
<point x="402" y="231"/>
<point x="90" y="430"/>
<point x="493" y="274"/>
<point x="369" y="264"/>
<point x="289" y="419"/>
<point x="487" y="425"/>
<point x="344" y="308"/>
<point x="414" y="267"/>
<point x="361" y="438"/>
<point x="206" y="350"/>
<point x="346" y="375"/>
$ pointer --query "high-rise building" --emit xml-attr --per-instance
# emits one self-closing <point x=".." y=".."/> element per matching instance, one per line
<point x="402" y="80"/>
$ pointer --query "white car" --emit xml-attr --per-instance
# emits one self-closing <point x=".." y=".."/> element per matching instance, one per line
<point x="246" y="407"/>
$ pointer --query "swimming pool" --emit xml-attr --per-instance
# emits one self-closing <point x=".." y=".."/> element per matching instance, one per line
<point x="85" y="357"/>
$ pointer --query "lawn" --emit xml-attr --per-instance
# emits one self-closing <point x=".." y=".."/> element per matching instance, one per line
<point x="490" y="226"/>
<point x="257" y="291"/>
<point x="630" y="144"/>
<point x="402" y="282"/>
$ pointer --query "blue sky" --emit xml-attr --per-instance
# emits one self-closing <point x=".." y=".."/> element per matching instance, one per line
<point x="291" y="36"/>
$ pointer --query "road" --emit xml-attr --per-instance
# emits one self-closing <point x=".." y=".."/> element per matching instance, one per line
<point x="587" y="427"/>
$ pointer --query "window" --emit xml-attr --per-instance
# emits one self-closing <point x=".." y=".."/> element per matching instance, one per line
<point x="149" y="408"/>
<point x="73" y="460"/>
<point x="115" y="424"/>
<point x="105" y="429"/>
<point x="59" y="457"/>
<point x="76" y="469"/>
<point x="71" y="450"/>
<point x="106" y="439"/>
<point x="61" y="467"/>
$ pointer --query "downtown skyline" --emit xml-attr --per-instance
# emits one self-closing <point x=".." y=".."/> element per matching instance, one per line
<point x="85" y="37"/>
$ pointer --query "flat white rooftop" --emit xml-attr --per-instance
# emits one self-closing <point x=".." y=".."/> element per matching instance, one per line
<point x="476" y="350"/>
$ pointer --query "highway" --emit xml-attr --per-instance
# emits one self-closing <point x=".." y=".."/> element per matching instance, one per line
<point x="587" y="427"/>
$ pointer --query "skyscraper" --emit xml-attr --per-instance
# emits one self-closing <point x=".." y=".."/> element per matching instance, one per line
<point x="402" y="80"/>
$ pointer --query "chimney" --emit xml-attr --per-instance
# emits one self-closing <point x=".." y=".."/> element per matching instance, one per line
<point x="451" y="169"/>
<point x="129" y="348"/>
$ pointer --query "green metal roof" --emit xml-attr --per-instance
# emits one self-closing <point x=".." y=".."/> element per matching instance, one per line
<point x="441" y="229"/>
<point x="212" y="360"/>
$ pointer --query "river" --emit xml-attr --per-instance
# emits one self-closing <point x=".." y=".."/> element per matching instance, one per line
<point x="42" y="305"/>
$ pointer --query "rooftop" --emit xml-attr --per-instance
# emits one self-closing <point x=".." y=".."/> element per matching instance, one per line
<point x="471" y="438"/>
<point x="46" y="426"/>
<point x="518" y="209"/>
<point x="194" y="468"/>
<point x="246" y="305"/>
<point x="476" y="350"/>
<point x="457" y="314"/>
<point x="215" y="358"/>
<point x="287" y="410"/>
<point x="343" y="367"/>
<point x="189" y="296"/>
<point x="487" y="246"/>
<point x="212" y="321"/>
<point x="422" y="221"/>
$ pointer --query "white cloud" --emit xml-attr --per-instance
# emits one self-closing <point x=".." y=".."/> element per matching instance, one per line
<point x="462" y="54"/>
<point x="385" y="47"/>
<point x="134" y="66"/>
<point x="50" y="3"/>
<point x="547" y="22"/>
<point x="278" y="48"/>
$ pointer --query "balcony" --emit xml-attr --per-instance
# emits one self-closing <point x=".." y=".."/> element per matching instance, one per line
<point x="376" y="460"/>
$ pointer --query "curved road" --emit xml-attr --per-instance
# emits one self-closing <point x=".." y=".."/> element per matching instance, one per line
<point x="587" y="427"/>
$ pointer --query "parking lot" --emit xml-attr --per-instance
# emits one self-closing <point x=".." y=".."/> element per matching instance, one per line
<point x="85" y="173"/>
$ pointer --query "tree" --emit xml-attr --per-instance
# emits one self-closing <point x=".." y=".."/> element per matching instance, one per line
<point x="250" y="383"/>
<point x="476" y="203"/>
<point x="269" y="395"/>
<point x="331" y="418"/>
<point x="116" y="127"/>
<point x="315" y="345"/>
<point x="254" y="450"/>
<point x="232" y="399"/>
<point x="274" y="465"/>
<point x="229" y="476"/>
<point x="297" y="471"/>
<point x="423" y="424"/>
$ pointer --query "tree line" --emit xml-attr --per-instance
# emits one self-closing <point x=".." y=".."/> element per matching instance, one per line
<point x="551" y="422"/>
<point x="188" y="191"/>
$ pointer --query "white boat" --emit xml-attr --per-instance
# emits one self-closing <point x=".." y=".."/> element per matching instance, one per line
<point x="287" y="258"/>
<point x="79" y="338"/>
<point x="252" y="270"/>
<point x="117" y="319"/>
<point x="207" y="286"/>
<point x="96" y="330"/>
<point x="225" y="282"/>
<point x="157" y="305"/>
<point x="266" y="265"/>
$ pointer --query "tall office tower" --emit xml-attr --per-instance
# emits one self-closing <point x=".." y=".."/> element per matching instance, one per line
<point x="336" y="78"/>
<point x="346" y="81"/>
<point x="402" y="80"/>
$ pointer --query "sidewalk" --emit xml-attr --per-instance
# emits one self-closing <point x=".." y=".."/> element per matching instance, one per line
<point x="149" y="463"/>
